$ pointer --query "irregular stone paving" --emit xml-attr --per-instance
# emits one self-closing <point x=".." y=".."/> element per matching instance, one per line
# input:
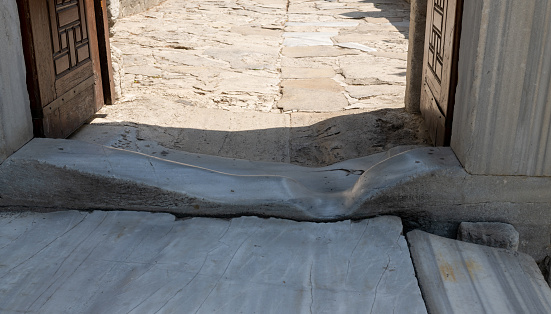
<point x="306" y="82"/>
<point x="132" y="262"/>
<point x="325" y="55"/>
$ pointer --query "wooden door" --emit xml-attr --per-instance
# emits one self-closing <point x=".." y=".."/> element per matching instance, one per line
<point x="61" y="52"/>
<point x="440" y="67"/>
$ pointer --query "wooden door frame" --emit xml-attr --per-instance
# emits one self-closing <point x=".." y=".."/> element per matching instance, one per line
<point x="33" y="84"/>
<point x="30" y="65"/>
<point x="104" y="46"/>
<point x="438" y="122"/>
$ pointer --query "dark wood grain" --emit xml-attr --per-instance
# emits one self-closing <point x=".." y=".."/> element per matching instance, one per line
<point x="94" y="51"/>
<point x="105" y="52"/>
<point x="442" y="35"/>
<point x="42" y="43"/>
<point x="61" y="54"/>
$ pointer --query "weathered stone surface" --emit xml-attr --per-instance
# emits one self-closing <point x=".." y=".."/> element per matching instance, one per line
<point x="242" y="134"/>
<point x="391" y="27"/>
<point x="117" y="61"/>
<point x="370" y="91"/>
<point x="113" y="11"/>
<point x="371" y="38"/>
<point x="305" y="73"/>
<point x="226" y="55"/>
<point x="129" y="7"/>
<point x="323" y="51"/>
<point x="357" y="46"/>
<point x="297" y="39"/>
<point x="366" y="70"/>
<point x="250" y="57"/>
<point x="383" y="20"/>
<point x="459" y="277"/>
<point x="120" y="262"/>
<point x="71" y="174"/>
<point x="522" y="145"/>
<point x="322" y="94"/>
<point x="325" y="24"/>
<point x="179" y="57"/>
<point x="144" y="70"/>
<point x="328" y="138"/>
<point x="325" y="84"/>
<point x="255" y="31"/>
<point x="428" y="187"/>
<point x="494" y="234"/>
<point x="390" y="55"/>
<point x="203" y="52"/>
<point x="310" y="62"/>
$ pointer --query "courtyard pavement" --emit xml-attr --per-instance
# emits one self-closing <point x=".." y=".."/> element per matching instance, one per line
<point x="305" y="82"/>
<point x="136" y="262"/>
<point x="130" y="262"/>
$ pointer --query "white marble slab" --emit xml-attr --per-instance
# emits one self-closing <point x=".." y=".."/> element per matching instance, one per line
<point x="325" y="24"/>
<point x="460" y="277"/>
<point x="357" y="46"/>
<point x="297" y="39"/>
<point x="131" y="262"/>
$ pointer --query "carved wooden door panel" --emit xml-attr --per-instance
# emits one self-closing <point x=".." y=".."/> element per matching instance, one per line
<point x="440" y="67"/>
<point x="64" y="63"/>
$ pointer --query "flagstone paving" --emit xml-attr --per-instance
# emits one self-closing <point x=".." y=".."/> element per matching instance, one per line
<point x="219" y="54"/>
<point x="220" y="67"/>
<point x="138" y="262"/>
<point x="131" y="262"/>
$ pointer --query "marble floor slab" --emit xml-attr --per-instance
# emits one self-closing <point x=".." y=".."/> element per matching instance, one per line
<point x="132" y="262"/>
<point x="297" y="39"/>
<point x="461" y="277"/>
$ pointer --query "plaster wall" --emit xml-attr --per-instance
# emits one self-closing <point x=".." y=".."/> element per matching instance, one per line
<point x="502" y="118"/>
<point x="15" y="114"/>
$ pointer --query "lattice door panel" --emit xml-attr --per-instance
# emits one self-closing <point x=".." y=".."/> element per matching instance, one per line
<point x="69" y="34"/>
<point x="436" y="48"/>
<point x="63" y="53"/>
<point x="440" y="67"/>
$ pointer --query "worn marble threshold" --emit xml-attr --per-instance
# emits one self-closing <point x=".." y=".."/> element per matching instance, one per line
<point x="426" y="187"/>
<point x="49" y="175"/>
<point x="53" y="173"/>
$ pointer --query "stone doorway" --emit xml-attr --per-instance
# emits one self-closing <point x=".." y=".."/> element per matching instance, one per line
<point x="304" y="82"/>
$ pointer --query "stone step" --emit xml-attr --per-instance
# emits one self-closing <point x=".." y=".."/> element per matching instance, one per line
<point x="78" y="175"/>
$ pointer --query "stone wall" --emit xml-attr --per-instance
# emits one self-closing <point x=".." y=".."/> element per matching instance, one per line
<point x="122" y="8"/>
<point x="129" y="7"/>
<point x="15" y="115"/>
<point x="502" y="118"/>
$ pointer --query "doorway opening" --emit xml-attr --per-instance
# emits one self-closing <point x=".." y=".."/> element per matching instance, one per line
<point x="304" y="82"/>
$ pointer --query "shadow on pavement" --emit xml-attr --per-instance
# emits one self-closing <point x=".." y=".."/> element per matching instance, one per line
<point x="319" y="144"/>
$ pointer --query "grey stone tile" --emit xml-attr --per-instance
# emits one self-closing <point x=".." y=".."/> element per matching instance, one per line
<point x="320" y="94"/>
<point x="460" y="277"/>
<point x="303" y="73"/>
<point x="131" y="262"/>
<point x="322" y="51"/>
